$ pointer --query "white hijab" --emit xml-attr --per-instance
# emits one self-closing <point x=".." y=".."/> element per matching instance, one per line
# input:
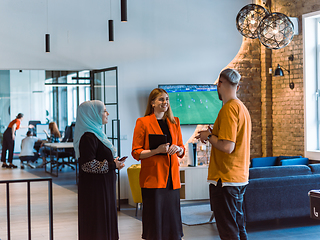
<point x="89" y="119"/>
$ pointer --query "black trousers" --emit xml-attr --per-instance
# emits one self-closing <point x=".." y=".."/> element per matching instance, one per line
<point x="227" y="204"/>
<point x="29" y="158"/>
<point x="7" y="144"/>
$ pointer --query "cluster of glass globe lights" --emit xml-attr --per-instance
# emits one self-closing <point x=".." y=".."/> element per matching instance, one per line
<point x="274" y="30"/>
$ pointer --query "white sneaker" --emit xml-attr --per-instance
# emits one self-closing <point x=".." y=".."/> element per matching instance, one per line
<point x="30" y="165"/>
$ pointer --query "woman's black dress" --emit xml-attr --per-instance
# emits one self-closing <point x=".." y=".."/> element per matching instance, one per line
<point x="161" y="215"/>
<point x="97" y="208"/>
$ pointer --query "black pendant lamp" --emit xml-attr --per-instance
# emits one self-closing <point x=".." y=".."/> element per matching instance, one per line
<point x="111" y="34"/>
<point x="123" y="10"/>
<point x="47" y="42"/>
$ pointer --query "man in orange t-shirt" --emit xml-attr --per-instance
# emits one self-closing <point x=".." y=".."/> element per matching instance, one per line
<point x="8" y="140"/>
<point x="228" y="171"/>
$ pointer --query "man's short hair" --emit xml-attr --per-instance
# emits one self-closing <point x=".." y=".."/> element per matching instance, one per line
<point x="29" y="133"/>
<point x="231" y="75"/>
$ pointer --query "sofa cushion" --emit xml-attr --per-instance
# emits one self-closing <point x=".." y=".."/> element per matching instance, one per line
<point x="294" y="161"/>
<point x="263" y="161"/>
<point x="278" y="171"/>
<point x="315" y="168"/>
<point x="284" y="157"/>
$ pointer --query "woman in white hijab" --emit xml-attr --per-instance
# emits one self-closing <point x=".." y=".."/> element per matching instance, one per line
<point x="97" y="208"/>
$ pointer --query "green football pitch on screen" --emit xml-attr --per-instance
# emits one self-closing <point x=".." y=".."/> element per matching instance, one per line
<point x="195" y="107"/>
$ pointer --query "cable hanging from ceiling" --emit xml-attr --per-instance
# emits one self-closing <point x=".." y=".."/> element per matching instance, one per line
<point x="47" y="35"/>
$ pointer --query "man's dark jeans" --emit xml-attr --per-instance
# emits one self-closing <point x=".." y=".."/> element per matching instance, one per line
<point x="227" y="204"/>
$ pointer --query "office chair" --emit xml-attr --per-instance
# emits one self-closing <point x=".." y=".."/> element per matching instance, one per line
<point x="68" y="153"/>
<point x="34" y="123"/>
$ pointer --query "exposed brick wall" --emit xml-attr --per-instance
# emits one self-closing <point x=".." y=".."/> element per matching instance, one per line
<point x="247" y="62"/>
<point x="277" y="112"/>
<point x="288" y="105"/>
<point x="266" y="103"/>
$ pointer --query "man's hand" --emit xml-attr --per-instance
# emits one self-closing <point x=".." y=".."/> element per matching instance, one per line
<point x="203" y="135"/>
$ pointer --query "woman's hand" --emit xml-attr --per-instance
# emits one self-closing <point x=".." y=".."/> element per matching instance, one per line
<point x="174" y="149"/>
<point x="163" y="148"/>
<point x="120" y="163"/>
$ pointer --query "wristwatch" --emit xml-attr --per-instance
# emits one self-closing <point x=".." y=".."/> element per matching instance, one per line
<point x="209" y="136"/>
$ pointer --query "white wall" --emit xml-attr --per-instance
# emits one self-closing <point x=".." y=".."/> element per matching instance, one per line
<point x="164" y="41"/>
<point x="27" y="96"/>
<point x="4" y="99"/>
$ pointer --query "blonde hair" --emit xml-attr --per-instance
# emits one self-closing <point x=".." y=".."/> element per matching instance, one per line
<point x="153" y="95"/>
<point x="54" y="130"/>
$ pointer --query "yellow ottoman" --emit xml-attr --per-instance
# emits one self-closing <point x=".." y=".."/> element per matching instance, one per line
<point x="133" y="177"/>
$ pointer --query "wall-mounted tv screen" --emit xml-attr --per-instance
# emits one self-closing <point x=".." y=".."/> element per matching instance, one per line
<point x="194" y="103"/>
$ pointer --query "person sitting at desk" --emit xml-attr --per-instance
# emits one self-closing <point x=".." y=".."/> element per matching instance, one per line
<point x="27" y="146"/>
<point x="54" y="137"/>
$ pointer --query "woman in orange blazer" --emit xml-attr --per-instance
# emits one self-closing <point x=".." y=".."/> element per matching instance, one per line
<point x="159" y="176"/>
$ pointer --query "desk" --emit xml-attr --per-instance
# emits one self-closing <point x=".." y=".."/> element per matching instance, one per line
<point x="54" y="147"/>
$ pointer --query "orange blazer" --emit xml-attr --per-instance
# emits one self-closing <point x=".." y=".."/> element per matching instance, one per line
<point x="155" y="170"/>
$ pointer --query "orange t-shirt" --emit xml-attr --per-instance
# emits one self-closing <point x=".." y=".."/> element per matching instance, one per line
<point x="15" y="121"/>
<point x="233" y="124"/>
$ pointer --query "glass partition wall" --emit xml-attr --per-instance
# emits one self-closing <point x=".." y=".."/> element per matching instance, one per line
<point x="41" y="95"/>
<point x="105" y="89"/>
<point x="47" y="96"/>
<point x="65" y="91"/>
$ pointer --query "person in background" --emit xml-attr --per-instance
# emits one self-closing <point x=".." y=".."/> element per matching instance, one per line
<point x="55" y="134"/>
<point x="54" y="137"/>
<point x="159" y="176"/>
<point x="228" y="171"/>
<point x="8" y="140"/>
<point x="97" y="205"/>
<point x="27" y="152"/>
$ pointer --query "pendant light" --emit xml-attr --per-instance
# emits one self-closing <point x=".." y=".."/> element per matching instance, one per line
<point x="111" y="36"/>
<point x="276" y="31"/>
<point x="47" y="41"/>
<point x="248" y="20"/>
<point x="123" y="5"/>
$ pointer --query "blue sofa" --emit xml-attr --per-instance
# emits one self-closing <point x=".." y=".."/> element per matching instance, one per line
<point x="279" y="161"/>
<point x="280" y="191"/>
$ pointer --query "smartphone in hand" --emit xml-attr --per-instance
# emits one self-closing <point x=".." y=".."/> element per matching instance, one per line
<point x="123" y="159"/>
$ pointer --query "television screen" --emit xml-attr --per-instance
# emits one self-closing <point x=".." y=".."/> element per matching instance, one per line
<point x="194" y="103"/>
